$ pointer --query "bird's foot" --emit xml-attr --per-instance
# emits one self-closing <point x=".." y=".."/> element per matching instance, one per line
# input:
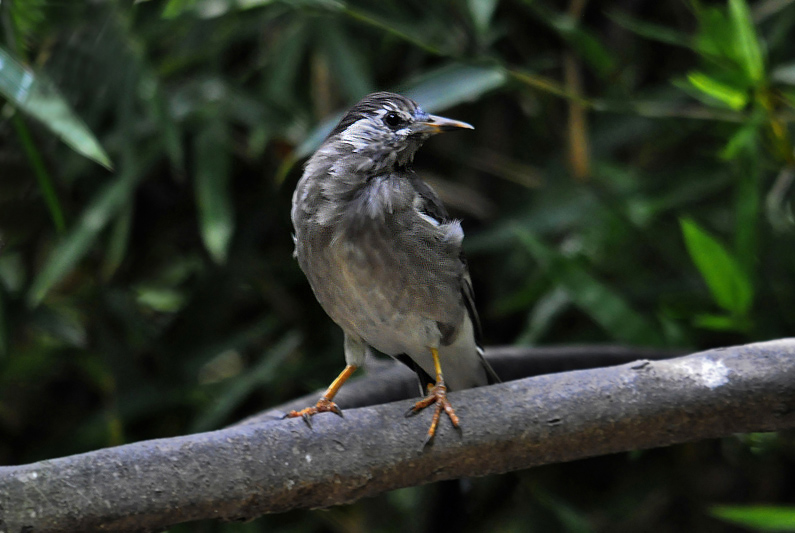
<point x="436" y="395"/>
<point x="324" y="405"/>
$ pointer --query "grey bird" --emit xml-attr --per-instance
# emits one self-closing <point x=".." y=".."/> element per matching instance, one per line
<point x="382" y="255"/>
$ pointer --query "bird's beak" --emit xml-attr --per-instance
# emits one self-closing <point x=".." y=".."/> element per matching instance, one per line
<point x="433" y="124"/>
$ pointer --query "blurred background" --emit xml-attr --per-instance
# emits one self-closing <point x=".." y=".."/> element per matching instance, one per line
<point x="629" y="181"/>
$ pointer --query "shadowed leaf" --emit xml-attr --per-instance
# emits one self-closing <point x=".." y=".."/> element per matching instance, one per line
<point x="596" y="299"/>
<point x="216" y="213"/>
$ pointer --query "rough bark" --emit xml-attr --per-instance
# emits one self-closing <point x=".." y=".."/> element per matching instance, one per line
<point x="390" y="381"/>
<point x="256" y="468"/>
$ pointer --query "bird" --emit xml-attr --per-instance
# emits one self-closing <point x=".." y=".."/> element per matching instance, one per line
<point x="383" y="257"/>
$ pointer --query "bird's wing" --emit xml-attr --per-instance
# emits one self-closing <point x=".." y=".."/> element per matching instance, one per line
<point x="432" y="206"/>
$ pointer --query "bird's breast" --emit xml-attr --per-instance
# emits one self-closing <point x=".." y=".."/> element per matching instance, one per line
<point x="385" y="280"/>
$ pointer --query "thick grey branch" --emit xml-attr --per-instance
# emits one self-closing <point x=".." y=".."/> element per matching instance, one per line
<point x="390" y="381"/>
<point x="251" y="469"/>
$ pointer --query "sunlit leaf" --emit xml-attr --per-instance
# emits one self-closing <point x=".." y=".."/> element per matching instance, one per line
<point x="604" y="305"/>
<point x="758" y="517"/>
<point x="730" y="287"/>
<point x="726" y="94"/>
<point x="747" y="42"/>
<point x="452" y="85"/>
<point x="215" y="209"/>
<point x="36" y="96"/>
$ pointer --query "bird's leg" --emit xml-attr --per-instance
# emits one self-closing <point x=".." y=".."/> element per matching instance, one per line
<point x="437" y="394"/>
<point x="325" y="403"/>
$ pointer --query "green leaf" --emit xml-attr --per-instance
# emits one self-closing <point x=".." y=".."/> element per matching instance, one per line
<point x="76" y="243"/>
<point x="481" y="12"/>
<point x="36" y="96"/>
<point x="175" y="8"/>
<point x="651" y="31"/>
<point x="544" y="312"/>
<point x="347" y="64"/>
<point x="587" y="46"/>
<point x="215" y="209"/>
<point x="746" y="41"/>
<point x="721" y="322"/>
<point x="730" y="287"/>
<point x="46" y="186"/>
<point x="715" y="32"/>
<point x="733" y="98"/>
<point x="599" y="301"/>
<point x="759" y="517"/>
<point x="3" y="324"/>
<point x="118" y="241"/>
<point x="265" y="372"/>
<point x="744" y="140"/>
<point x="453" y="84"/>
<point x="286" y="58"/>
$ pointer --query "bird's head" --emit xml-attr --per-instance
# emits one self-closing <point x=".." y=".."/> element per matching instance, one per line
<point x="384" y="130"/>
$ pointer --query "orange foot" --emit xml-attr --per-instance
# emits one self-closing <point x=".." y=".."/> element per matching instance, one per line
<point x="437" y="394"/>
<point x="324" y="405"/>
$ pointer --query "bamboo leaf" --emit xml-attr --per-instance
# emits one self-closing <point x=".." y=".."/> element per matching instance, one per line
<point x="746" y="41"/>
<point x="730" y="287"/>
<point x="346" y="62"/>
<point x="651" y="31"/>
<point x="758" y="517"/>
<point x="600" y="302"/>
<point x="36" y="96"/>
<point x="726" y="94"/>
<point x="103" y="207"/>
<point x="216" y="213"/>
<point x="481" y="12"/>
<point x="263" y="373"/>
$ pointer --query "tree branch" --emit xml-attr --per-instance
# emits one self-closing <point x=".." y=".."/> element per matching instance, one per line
<point x="251" y="469"/>
<point x="389" y="381"/>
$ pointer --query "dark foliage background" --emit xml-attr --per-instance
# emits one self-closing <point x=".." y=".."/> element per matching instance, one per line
<point x="629" y="181"/>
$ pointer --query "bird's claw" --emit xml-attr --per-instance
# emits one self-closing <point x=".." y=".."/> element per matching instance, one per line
<point x="436" y="395"/>
<point x="324" y="405"/>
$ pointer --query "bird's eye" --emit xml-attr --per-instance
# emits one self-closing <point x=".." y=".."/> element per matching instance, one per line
<point x="392" y="119"/>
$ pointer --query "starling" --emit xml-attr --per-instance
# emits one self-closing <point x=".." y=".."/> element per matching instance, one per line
<point x="384" y="258"/>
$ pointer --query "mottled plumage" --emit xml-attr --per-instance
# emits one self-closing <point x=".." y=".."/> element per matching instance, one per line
<point x="381" y="253"/>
